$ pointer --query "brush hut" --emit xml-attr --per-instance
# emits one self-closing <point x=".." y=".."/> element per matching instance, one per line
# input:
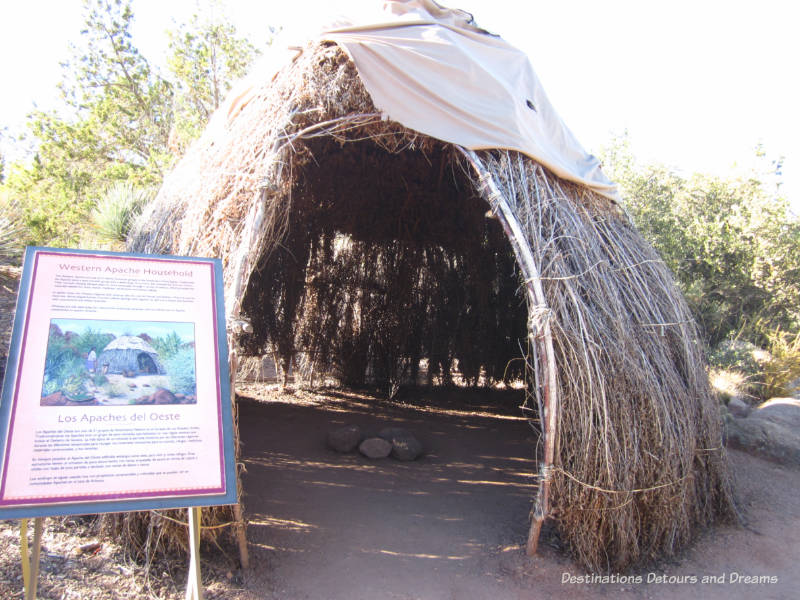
<point x="364" y="235"/>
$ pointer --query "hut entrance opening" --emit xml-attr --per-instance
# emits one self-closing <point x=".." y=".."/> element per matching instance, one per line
<point x="146" y="364"/>
<point x="391" y="274"/>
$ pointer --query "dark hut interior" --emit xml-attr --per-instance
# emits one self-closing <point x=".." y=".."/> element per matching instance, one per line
<point x="391" y="259"/>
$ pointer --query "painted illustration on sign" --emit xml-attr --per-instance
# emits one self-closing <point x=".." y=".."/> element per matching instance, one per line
<point x="119" y="363"/>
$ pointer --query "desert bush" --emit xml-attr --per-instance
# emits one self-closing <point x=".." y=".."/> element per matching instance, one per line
<point x="738" y="355"/>
<point x="64" y="372"/>
<point x="732" y="243"/>
<point x="167" y="346"/>
<point x="181" y="370"/>
<point x="116" y="210"/>
<point x="11" y="229"/>
<point x="730" y="383"/>
<point x="784" y="366"/>
<point x="115" y="389"/>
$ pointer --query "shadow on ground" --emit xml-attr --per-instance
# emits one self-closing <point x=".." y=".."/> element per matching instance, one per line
<point x="334" y="525"/>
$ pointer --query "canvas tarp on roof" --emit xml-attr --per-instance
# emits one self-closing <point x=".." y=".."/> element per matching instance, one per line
<point x="432" y="70"/>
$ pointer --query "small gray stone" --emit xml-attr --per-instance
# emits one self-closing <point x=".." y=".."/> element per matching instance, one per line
<point x="345" y="439"/>
<point x="406" y="448"/>
<point x="390" y="433"/>
<point x="738" y="407"/>
<point x="375" y="448"/>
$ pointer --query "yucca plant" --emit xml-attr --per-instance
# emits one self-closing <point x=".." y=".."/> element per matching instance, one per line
<point x="115" y="212"/>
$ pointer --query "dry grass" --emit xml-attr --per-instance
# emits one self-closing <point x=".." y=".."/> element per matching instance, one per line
<point x="782" y="370"/>
<point x="150" y="535"/>
<point x="636" y="464"/>
<point x="730" y="383"/>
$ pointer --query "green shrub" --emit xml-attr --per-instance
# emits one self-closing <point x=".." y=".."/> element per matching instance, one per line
<point x="115" y="212"/>
<point x="167" y="346"/>
<point x="181" y="370"/>
<point x="784" y="366"/>
<point x="11" y="229"/>
<point x="64" y="372"/>
<point x="738" y="355"/>
<point x="115" y="389"/>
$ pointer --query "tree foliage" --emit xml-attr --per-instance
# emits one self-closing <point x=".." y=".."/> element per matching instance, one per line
<point x="114" y="124"/>
<point x="206" y="56"/>
<point x="732" y="243"/>
<point x="117" y="94"/>
<point x="117" y="119"/>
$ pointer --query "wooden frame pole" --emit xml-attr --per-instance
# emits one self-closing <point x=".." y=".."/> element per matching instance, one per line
<point x="30" y="559"/>
<point x="241" y="534"/>
<point x="542" y="340"/>
<point x="194" y="587"/>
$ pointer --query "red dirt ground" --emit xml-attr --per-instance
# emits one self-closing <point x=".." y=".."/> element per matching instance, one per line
<point x="453" y="524"/>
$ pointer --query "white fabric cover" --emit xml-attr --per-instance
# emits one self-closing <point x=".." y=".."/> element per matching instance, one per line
<point x="434" y="71"/>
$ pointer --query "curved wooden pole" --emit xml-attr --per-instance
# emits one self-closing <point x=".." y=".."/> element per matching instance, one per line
<point x="539" y="333"/>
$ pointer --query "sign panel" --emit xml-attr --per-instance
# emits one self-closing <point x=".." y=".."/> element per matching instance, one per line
<point x="116" y="394"/>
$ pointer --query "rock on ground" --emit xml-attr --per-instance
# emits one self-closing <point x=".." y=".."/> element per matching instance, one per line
<point x="405" y="446"/>
<point x="375" y="448"/>
<point x="390" y="433"/>
<point x="771" y="431"/>
<point x="738" y="407"/>
<point x="345" y="439"/>
<point x="782" y="411"/>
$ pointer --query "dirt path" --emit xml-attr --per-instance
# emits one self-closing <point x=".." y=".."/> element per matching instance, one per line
<point x="450" y="526"/>
<point x="453" y="525"/>
<point x="341" y="526"/>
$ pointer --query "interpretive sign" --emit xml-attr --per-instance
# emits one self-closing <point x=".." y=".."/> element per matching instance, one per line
<point x="117" y="394"/>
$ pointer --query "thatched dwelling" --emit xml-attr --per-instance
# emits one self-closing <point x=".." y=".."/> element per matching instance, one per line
<point x="369" y="222"/>
<point x="130" y="354"/>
